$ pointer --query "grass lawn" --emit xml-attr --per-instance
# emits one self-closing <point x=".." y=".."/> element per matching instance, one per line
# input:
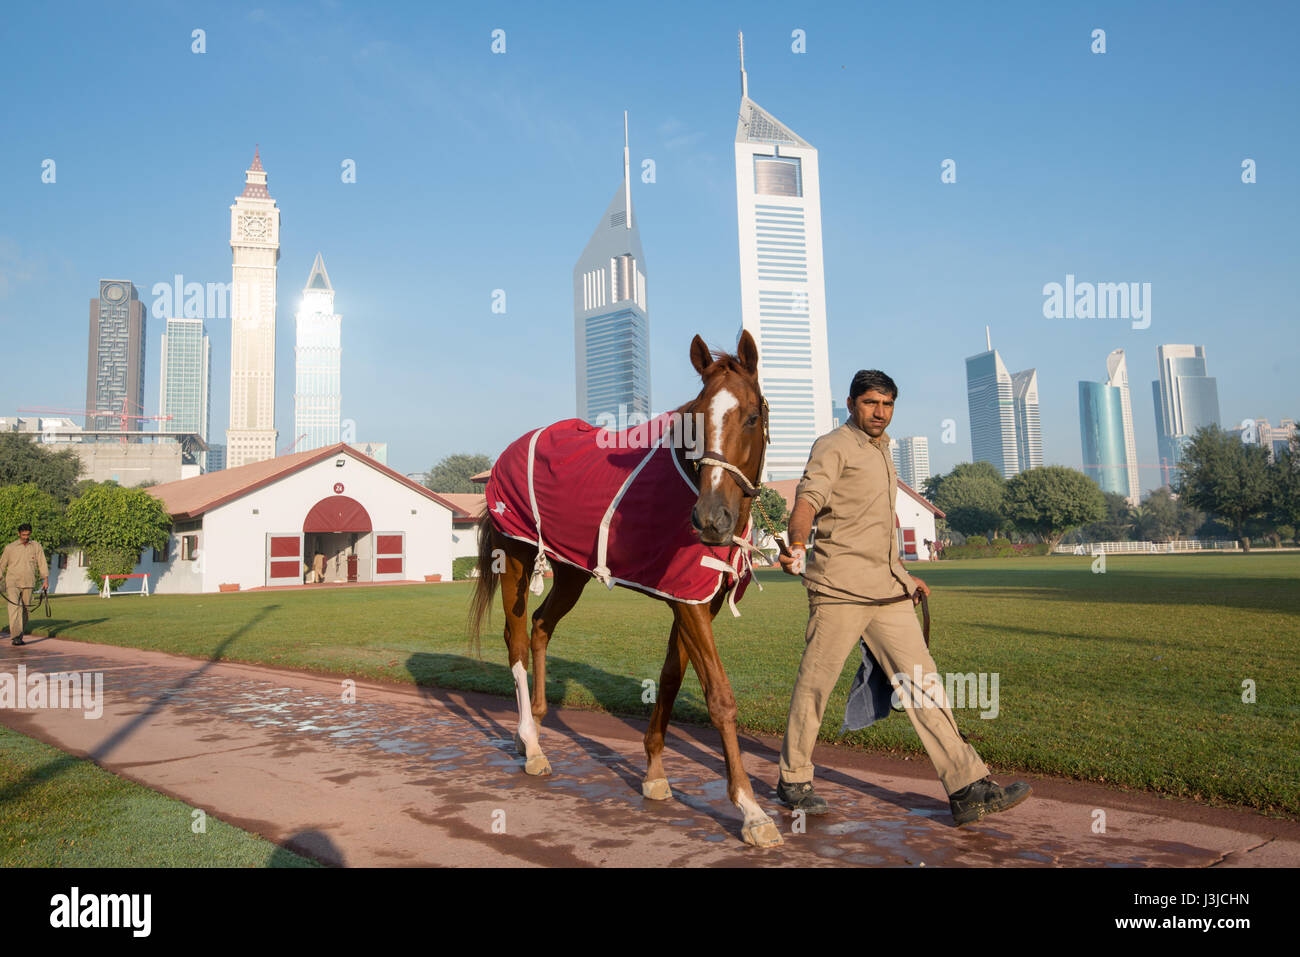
<point x="61" y="811"/>
<point x="1133" y="677"/>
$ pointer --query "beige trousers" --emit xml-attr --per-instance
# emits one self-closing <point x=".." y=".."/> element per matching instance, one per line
<point x="894" y="636"/>
<point x="19" y="599"/>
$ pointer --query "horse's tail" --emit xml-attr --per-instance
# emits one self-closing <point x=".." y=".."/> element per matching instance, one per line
<point x="485" y="587"/>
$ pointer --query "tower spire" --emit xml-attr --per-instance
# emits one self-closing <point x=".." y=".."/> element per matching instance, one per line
<point x="988" y="338"/>
<point x="627" y="179"/>
<point x="744" y="77"/>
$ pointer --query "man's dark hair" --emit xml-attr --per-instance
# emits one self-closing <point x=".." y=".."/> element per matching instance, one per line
<point x="25" y="527"/>
<point x="866" y="379"/>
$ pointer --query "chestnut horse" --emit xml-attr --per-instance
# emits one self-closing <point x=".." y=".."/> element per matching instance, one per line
<point x="734" y="419"/>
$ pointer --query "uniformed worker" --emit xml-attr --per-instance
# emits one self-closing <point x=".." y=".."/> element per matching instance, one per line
<point x="848" y="489"/>
<point x="19" y="563"/>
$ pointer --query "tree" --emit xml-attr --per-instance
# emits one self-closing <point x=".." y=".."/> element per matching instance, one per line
<point x="1285" y="484"/>
<point x="31" y="504"/>
<point x="774" y="508"/>
<point x="113" y="525"/>
<point x="1161" y="517"/>
<point x="971" y="497"/>
<point x="25" y="461"/>
<point x="1051" y="500"/>
<point x="1224" y="476"/>
<point x="452" y="474"/>
<point x="1116" y="525"/>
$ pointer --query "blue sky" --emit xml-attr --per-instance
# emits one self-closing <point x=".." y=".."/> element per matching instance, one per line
<point x="478" y="172"/>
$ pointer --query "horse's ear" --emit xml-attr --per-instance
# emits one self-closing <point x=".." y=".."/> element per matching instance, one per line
<point x="747" y="353"/>
<point x="701" y="358"/>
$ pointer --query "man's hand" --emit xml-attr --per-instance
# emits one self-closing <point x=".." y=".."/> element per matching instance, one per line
<point x="921" y="589"/>
<point x="45" y="585"/>
<point x="793" y="563"/>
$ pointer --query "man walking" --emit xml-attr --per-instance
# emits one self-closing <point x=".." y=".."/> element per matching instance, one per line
<point x="19" y="563"/>
<point x="857" y="587"/>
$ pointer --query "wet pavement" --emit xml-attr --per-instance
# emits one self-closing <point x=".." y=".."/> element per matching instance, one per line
<point x="425" y="776"/>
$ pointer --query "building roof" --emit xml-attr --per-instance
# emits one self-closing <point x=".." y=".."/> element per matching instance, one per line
<point x="786" y="488"/>
<point x="191" y="497"/>
<point x="482" y="477"/>
<point x="468" y="505"/>
<point x="319" y="278"/>
<point x="756" y="125"/>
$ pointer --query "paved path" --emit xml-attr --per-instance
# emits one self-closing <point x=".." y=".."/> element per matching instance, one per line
<point x="419" y="776"/>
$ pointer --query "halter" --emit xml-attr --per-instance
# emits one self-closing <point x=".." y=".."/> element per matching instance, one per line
<point x="718" y="460"/>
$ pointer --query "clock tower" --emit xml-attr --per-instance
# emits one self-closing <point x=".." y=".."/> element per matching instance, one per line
<point x="255" y="242"/>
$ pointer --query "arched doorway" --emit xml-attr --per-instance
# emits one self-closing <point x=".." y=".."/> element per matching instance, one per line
<point x="337" y="540"/>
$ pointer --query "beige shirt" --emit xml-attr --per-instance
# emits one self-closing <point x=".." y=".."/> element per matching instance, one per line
<point x="850" y="482"/>
<point x="19" y="564"/>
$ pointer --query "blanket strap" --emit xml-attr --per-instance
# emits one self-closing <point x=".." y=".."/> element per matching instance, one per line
<point x="601" y="571"/>
<point x="537" y="580"/>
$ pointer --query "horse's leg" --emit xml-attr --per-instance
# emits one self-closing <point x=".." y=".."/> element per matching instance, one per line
<point x="655" y="786"/>
<point x="514" y="600"/>
<point x="696" y="629"/>
<point x="566" y="589"/>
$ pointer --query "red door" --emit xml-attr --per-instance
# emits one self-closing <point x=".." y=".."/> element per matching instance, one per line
<point x="390" y="556"/>
<point x="284" y="558"/>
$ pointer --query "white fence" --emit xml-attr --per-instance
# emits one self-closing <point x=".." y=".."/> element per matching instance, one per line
<point x="1147" y="548"/>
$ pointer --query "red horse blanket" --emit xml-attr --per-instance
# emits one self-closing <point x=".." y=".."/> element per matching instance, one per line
<point x="616" y="504"/>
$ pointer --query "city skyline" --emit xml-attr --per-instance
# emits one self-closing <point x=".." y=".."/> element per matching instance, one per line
<point x="892" y="223"/>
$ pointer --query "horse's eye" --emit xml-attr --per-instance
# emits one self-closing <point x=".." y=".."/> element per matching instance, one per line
<point x="751" y="421"/>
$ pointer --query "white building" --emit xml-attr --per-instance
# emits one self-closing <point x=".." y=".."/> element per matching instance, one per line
<point x="611" y="318"/>
<point x="263" y="524"/>
<point x="1029" y="433"/>
<point x="782" y="286"/>
<point x="911" y="456"/>
<point x="255" y="242"/>
<point x="184" y="381"/>
<point x="317" y="363"/>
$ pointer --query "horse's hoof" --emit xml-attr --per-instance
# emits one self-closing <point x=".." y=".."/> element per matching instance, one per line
<point x="762" y="833"/>
<point x="537" y="765"/>
<point x="656" y="790"/>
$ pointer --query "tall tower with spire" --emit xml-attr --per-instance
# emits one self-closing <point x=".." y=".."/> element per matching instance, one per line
<point x="255" y="243"/>
<point x="782" y="283"/>
<point x="317" y="363"/>
<point x="611" y="319"/>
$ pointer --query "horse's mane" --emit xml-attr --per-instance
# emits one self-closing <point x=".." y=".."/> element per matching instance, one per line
<point x="723" y="361"/>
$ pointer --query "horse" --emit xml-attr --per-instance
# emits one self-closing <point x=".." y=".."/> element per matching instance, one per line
<point x="733" y="417"/>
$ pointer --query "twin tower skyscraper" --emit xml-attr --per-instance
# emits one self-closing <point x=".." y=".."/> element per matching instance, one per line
<point x="782" y="293"/>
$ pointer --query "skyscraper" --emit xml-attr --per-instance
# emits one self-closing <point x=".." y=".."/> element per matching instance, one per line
<point x="115" y="357"/>
<point x="611" y="320"/>
<point x="255" y="243"/>
<point x="1186" y="398"/>
<point x="1117" y="377"/>
<point x="1029" y="434"/>
<point x="990" y="399"/>
<point x="782" y="284"/>
<point x="912" y="460"/>
<point x="1101" y="434"/>
<point x="184" y="384"/>
<point x="317" y="359"/>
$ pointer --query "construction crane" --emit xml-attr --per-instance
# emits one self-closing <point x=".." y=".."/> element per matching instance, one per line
<point x="121" y="415"/>
<point x="289" y="448"/>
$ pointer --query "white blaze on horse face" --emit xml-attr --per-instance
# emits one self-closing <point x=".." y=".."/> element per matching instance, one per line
<point x="723" y="402"/>
<point x="527" y="727"/>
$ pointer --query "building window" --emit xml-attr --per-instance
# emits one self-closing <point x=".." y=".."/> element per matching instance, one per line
<point x="189" y="547"/>
<point x="161" y="556"/>
<point x="63" y="560"/>
<point x="81" y="559"/>
<point x="778" y="176"/>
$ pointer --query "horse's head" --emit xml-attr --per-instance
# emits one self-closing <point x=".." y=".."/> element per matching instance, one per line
<point x="731" y="424"/>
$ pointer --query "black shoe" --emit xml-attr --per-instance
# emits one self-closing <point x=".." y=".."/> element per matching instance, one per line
<point x="800" y="797"/>
<point x="983" y="797"/>
<point x="18" y="641"/>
